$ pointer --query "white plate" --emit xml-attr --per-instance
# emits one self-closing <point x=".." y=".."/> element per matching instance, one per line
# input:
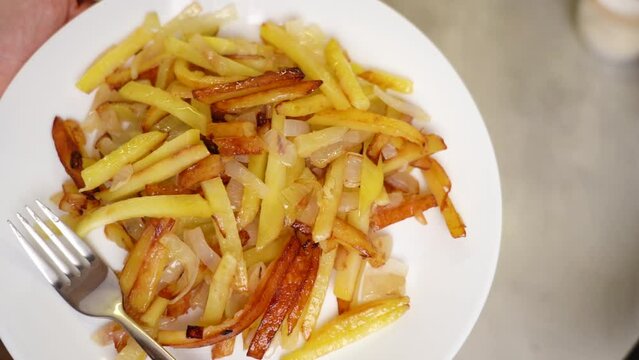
<point x="448" y="280"/>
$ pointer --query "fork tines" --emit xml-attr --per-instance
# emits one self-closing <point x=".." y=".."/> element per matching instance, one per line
<point x="62" y="261"/>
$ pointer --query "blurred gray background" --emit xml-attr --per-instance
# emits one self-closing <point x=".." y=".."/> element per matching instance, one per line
<point x="564" y="124"/>
<point x="565" y="127"/>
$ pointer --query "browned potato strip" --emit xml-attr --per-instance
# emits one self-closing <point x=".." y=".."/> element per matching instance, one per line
<point x="384" y="216"/>
<point x="272" y="96"/>
<point x="281" y="304"/>
<point x="376" y="145"/>
<point x="234" y="129"/>
<point x="120" y="77"/>
<point x="145" y="287"/>
<point x="205" y="169"/>
<point x="68" y="148"/>
<point x="166" y="189"/>
<point x="266" y="81"/>
<point x="349" y="236"/>
<point x="343" y="306"/>
<point x="239" y="145"/>
<point x="440" y="185"/>
<point x="223" y="349"/>
<point x="305" y="291"/>
<point x="153" y="231"/>
<point x="434" y="143"/>
<point x="116" y="233"/>
<point x="455" y="224"/>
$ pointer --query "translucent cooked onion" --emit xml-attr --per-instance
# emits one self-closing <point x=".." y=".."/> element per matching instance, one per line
<point x="122" y="177"/>
<point x="244" y="159"/>
<point x="295" y="127"/>
<point x="386" y="281"/>
<point x="389" y="151"/>
<point x="355" y="137"/>
<point x="402" y="106"/>
<point x="255" y="274"/>
<point x="403" y="181"/>
<point x="353" y="170"/>
<point x="309" y="214"/>
<point x="241" y="174"/>
<point x="322" y="157"/>
<point x="179" y="251"/>
<point x="277" y="143"/>
<point x="250" y="116"/>
<point x="251" y="230"/>
<point x="349" y="201"/>
<point x="294" y="193"/>
<point x="195" y="239"/>
<point x="171" y="273"/>
<point x="105" y="145"/>
<point x="235" y="190"/>
<point x="395" y="199"/>
<point x="196" y="303"/>
<point x="134" y="227"/>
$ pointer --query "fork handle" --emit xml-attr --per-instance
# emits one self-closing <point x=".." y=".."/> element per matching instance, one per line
<point x="150" y="346"/>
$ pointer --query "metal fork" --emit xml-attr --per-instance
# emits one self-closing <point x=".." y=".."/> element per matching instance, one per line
<point x="80" y="276"/>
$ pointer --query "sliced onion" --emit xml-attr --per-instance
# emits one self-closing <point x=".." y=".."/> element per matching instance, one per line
<point x="255" y="274"/>
<point x="134" y="227"/>
<point x="277" y="143"/>
<point x="122" y="177"/>
<point x="251" y="230"/>
<point x="295" y="127"/>
<point x="250" y="116"/>
<point x="294" y="193"/>
<point x="195" y="239"/>
<point x="241" y="174"/>
<point x="309" y="214"/>
<point x="353" y="170"/>
<point x="395" y="199"/>
<point x="389" y="151"/>
<point x="322" y="157"/>
<point x="244" y="159"/>
<point x="171" y="273"/>
<point x="235" y="303"/>
<point x="197" y="301"/>
<point x="355" y="137"/>
<point x="388" y="280"/>
<point x="403" y="181"/>
<point x="402" y="106"/>
<point x="235" y="190"/>
<point x="349" y="201"/>
<point x="179" y="251"/>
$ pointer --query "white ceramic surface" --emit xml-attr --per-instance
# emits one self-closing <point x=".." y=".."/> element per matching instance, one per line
<point x="448" y="279"/>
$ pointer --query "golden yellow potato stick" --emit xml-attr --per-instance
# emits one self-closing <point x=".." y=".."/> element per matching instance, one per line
<point x="230" y="242"/>
<point x="182" y="141"/>
<point x="119" y="54"/>
<point x="163" y="100"/>
<point x="329" y="201"/>
<point x="272" y="209"/>
<point x="337" y="61"/>
<point x="350" y="327"/>
<point x="366" y="121"/>
<point x="156" y="173"/>
<point x="105" y="168"/>
<point x="150" y="206"/>
<point x="277" y="36"/>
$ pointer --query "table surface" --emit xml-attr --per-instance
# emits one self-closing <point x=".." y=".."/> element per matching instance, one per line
<point x="564" y="125"/>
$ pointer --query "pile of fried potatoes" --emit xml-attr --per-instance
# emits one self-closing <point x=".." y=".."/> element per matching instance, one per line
<point x="240" y="175"/>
